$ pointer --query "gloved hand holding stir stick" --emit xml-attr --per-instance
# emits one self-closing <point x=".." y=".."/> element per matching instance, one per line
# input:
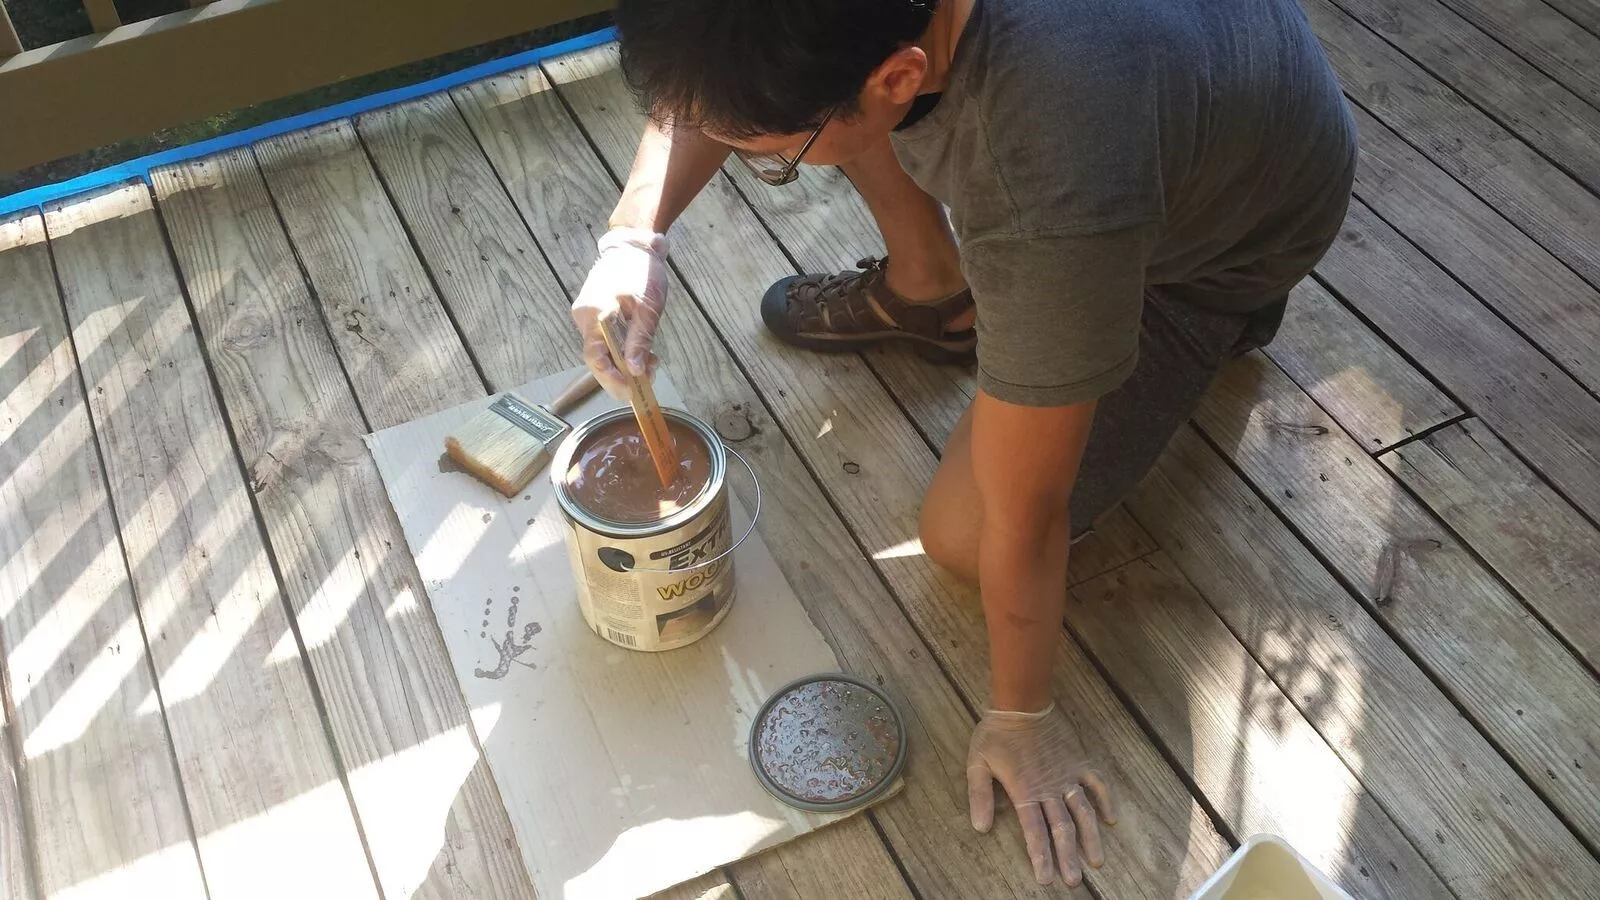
<point x="629" y="278"/>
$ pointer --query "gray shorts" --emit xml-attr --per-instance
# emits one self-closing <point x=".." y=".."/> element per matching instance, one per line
<point x="1181" y="349"/>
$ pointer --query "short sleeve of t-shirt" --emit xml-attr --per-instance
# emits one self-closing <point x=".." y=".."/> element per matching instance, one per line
<point x="1058" y="316"/>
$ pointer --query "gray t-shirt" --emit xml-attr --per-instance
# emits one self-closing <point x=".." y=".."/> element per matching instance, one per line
<point x="1090" y="148"/>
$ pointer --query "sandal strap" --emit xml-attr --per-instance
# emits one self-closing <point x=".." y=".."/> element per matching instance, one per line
<point x="861" y="302"/>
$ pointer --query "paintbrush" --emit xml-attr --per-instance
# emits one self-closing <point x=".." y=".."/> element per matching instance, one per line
<point x="506" y="444"/>
<point x="642" y="397"/>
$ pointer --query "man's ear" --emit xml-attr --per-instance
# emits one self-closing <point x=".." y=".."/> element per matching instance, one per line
<point x="897" y="79"/>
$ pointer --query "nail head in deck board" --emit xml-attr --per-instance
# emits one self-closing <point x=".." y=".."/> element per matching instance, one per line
<point x="1253" y="754"/>
<point x="252" y="753"/>
<point x="1543" y="36"/>
<point x="77" y="666"/>
<point x="394" y="336"/>
<point x="1415" y="753"/>
<point x="1161" y="840"/>
<point x="432" y="817"/>
<point x="1537" y="542"/>
<point x="1546" y="202"/>
<point x="531" y="142"/>
<point x="1496" y="374"/>
<point x="428" y="158"/>
<point x="1539" y="110"/>
<point x="1455" y="616"/>
<point x="1536" y="292"/>
<point x="1374" y="393"/>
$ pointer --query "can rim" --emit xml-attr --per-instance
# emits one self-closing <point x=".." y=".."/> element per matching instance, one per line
<point x="562" y="460"/>
<point x="867" y="797"/>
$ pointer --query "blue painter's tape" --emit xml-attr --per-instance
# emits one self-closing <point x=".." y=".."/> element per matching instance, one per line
<point x="140" y="168"/>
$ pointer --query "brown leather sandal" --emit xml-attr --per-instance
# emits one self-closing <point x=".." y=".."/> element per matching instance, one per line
<point x="854" y="310"/>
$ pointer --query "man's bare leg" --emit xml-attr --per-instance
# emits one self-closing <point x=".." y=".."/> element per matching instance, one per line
<point x="952" y="510"/>
<point x="924" y="262"/>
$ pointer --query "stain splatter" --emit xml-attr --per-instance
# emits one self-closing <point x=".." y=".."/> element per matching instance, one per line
<point x="487" y="518"/>
<point x="448" y="464"/>
<point x="510" y="649"/>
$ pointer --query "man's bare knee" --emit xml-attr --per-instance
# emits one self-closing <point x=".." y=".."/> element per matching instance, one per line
<point x="953" y="550"/>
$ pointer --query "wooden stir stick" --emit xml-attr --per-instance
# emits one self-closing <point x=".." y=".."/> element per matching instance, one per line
<point x="652" y="424"/>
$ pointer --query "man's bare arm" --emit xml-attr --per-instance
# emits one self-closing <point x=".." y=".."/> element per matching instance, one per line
<point x="672" y="166"/>
<point x="1025" y="460"/>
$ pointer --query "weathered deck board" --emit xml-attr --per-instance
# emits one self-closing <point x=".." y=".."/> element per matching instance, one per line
<point x="1497" y="375"/>
<point x="1538" y="703"/>
<point x="76" y="663"/>
<point x="510" y="306"/>
<point x="1534" y="539"/>
<point x="707" y="887"/>
<point x="1533" y="290"/>
<point x="53" y="525"/>
<point x="1261" y="764"/>
<point x="432" y="816"/>
<point x="1542" y="36"/>
<point x="255" y="761"/>
<point x="1539" y="110"/>
<point x="397" y="342"/>
<point x="836" y="412"/>
<point x="1582" y="12"/>
<point x="1374" y="393"/>
<point x="1462" y="805"/>
<point x="564" y="195"/>
<point x="490" y="272"/>
<point x="1496" y="165"/>
<point x="15" y="881"/>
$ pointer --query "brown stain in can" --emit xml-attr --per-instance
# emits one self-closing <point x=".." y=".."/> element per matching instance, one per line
<point x="612" y="476"/>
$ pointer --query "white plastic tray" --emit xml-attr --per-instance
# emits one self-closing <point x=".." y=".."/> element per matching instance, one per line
<point x="1266" y="868"/>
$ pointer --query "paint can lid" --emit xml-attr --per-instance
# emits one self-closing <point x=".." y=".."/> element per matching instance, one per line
<point x="828" y="743"/>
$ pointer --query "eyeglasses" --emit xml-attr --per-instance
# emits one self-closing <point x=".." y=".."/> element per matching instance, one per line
<point x="775" y="168"/>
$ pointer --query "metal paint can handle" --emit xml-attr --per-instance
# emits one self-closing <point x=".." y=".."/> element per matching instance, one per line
<point x="747" y="532"/>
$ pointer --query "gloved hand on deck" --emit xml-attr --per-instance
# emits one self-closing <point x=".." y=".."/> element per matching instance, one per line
<point x="1036" y="758"/>
<point x="630" y="277"/>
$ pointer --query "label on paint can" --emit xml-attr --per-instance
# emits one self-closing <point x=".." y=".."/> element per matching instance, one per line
<point x="655" y="610"/>
<point x="653" y="587"/>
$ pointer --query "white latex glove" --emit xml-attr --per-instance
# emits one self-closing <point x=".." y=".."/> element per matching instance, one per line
<point x="1037" y="760"/>
<point x="630" y="277"/>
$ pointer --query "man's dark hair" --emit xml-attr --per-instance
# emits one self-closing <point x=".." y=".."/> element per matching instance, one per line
<point x="745" y="68"/>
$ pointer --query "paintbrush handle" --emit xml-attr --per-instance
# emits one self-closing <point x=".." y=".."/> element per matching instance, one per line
<point x="652" y="424"/>
<point x="574" y="394"/>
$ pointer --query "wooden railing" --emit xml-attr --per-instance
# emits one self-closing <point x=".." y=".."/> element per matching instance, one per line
<point x="128" y="80"/>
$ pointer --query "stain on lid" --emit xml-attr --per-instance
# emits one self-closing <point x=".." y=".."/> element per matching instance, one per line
<point x="828" y="743"/>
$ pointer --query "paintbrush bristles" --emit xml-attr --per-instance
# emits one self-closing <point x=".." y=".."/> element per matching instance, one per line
<point x="498" y="452"/>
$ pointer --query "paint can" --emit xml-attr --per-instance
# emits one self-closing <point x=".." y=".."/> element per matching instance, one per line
<point x="658" y="584"/>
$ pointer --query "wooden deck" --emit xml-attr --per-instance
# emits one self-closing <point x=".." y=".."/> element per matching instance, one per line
<point x="1357" y="604"/>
